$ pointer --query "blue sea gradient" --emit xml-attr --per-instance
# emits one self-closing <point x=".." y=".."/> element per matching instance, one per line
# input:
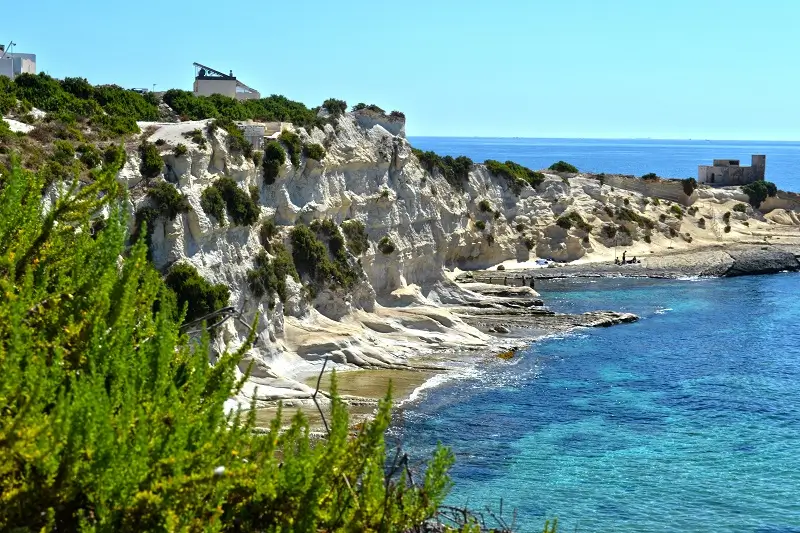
<point x="686" y="421"/>
<point x="667" y="158"/>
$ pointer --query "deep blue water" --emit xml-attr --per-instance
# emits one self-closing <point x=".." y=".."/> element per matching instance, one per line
<point x="667" y="158"/>
<point x="686" y="421"/>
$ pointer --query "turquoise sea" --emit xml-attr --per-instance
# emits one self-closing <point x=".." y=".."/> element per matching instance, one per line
<point x="686" y="421"/>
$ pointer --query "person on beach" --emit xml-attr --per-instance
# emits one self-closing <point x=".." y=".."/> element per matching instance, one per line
<point x="623" y="256"/>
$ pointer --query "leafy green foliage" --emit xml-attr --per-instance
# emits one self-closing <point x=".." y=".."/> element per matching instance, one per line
<point x="267" y="232"/>
<point x="371" y="107"/>
<point x="293" y="144"/>
<point x="609" y="231"/>
<point x="191" y="290"/>
<point x="311" y="257"/>
<point x="573" y="219"/>
<point x="169" y="201"/>
<point x="314" y="151"/>
<point x="274" y="159"/>
<point x="676" y="210"/>
<point x="385" y="245"/>
<point x="274" y="108"/>
<point x="335" y="107"/>
<point x="740" y="208"/>
<point x="650" y="176"/>
<point x="180" y="150"/>
<point x="236" y="139"/>
<point x="90" y="156"/>
<point x="269" y="275"/>
<point x="626" y="214"/>
<point x="517" y="175"/>
<point x="152" y="164"/>
<point x="213" y="204"/>
<point x="241" y="208"/>
<point x="480" y="224"/>
<point x="455" y="170"/>
<point x="485" y="206"/>
<point x="563" y="166"/>
<point x="356" y="233"/>
<point x="758" y="191"/>
<point x="63" y="152"/>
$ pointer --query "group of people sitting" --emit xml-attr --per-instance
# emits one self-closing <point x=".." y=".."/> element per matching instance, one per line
<point x="628" y="261"/>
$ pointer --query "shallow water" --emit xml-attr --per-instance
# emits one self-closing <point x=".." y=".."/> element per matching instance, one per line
<point x="688" y="420"/>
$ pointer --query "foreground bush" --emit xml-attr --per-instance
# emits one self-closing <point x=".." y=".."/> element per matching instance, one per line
<point x="758" y="191"/>
<point x="112" y="420"/>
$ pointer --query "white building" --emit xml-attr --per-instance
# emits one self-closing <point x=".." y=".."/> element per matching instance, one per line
<point x="208" y="81"/>
<point x="13" y="64"/>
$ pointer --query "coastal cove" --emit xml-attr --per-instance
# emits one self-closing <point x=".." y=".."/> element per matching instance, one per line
<point x="686" y="420"/>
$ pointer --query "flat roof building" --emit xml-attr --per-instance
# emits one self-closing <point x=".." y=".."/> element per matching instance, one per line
<point x="13" y="64"/>
<point x="208" y="81"/>
<point x="727" y="172"/>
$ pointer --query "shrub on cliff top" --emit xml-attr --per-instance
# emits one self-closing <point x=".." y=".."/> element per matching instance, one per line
<point x="563" y="166"/>
<point x="650" y="176"/>
<point x="689" y="185"/>
<point x="455" y="170"/>
<point x="335" y="107"/>
<point x="517" y="175"/>
<point x="758" y="191"/>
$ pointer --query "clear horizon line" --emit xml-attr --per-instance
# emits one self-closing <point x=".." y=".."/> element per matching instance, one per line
<point x="602" y="138"/>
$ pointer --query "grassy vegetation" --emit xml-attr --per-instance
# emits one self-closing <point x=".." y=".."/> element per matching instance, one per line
<point x="517" y="175"/>
<point x="740" y="208"/>
<point x="573" y="219"/>
<point x="335" y="107"/>
<point x="676" y="210"/>
<point x="563" y="166"/>
<point x="180" y="150"/>
<point x="625" y="214"/>
<point x="480" y="224"/>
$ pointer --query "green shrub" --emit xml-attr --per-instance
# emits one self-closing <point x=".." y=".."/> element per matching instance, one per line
<point x="740" y="208"/>
<point x="169" y="201"/>
<point x="563" y="166"/>
<point x="676" y="210"/>
<point x="517" y="175"/>
<point x="701" y="223"/>
<point x="626" y="214"/>
<point x="662" y="217"/>
<point x="269" y="275"/>
<point x="573" y="218"/>
<point x="689" y="186"/>
<point x="758" y="191"/>
<point x="314" y="151"/>
<point x="673" y="233"/>
<point x="241" y="208"/>
<point x="311" y="255"/>
<point x="258" y="158"/>
<point x="371" y="107"/>
<point x="197" y="137"/>
<point x="274" y="159"/>
<point x="90" y="156"/>
<point x="63" y="152"/>
<point x="180" y="150"/>
<point x="692" y="211"/>
<point x="236" y="139"/>
<point x="520" y="227"/>
<point x="650" y="176"/>
<point x="530" y="243"/>
<point x="727" y="229"/>
<point x="335" y="107"/>
<point x="152" y="164"/>
<point x="656" y="201"/>
<point x="455" y="170"/>
<point x="480" y="224"/>
<point x="397" y="115"/>
<point x="356" y="233"/>
<point x="727" y="216"/>
<point x="485" y="206"/>
<point x="293" y="144"/>
<point x="213" y="204"/>
<point x="113" y="156"/>
<point x="609" y="231"/>
<point x="385" y="245"/>
<point x="267" y="232"/>
<point x="648" y="239"/>
<point x="198" y="295"/>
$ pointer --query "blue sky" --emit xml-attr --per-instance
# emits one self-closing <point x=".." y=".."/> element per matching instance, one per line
<point x="701" y="69"/>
